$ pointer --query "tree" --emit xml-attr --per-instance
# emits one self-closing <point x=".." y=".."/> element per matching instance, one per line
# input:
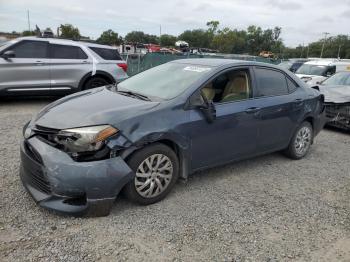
<point x="213" y="26"/>
<point x="28" y="33"/>
<point x="69" y="31"/>
<point x="109" y="37"/>
<point x="230" y="41"/>
<point x="141" y="37"/>
<point x="167" y="40"/>
<point x="196" y="38"/>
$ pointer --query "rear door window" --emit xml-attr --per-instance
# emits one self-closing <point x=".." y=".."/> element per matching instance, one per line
<point x="30" y="49"/>
<point x="107" y="53"/>
<point x="66" y="52"/>
<point x="270" y="82"/>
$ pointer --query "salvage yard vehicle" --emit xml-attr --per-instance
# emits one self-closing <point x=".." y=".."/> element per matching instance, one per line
<point x="336" y="90"/>
<point x="50" y="66"/>
<point x="314" y="72"/>
<point x="161" y="125"/>
<point x="293" y="64"/>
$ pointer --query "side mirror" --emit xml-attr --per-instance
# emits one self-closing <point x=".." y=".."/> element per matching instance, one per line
<point x="8" y="54"/>
<point x="209" y="111"/>
<point x="206" y="107"/>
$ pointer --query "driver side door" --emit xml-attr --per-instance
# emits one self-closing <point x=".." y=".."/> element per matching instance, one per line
<point x="28" y="71"/>
<point x="232" y="135"/>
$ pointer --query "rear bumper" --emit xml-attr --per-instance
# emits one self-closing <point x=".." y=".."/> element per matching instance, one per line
<point x="58" y="183"/>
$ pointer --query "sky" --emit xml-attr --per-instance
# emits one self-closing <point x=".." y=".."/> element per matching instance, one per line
<point x="302" y="21"/>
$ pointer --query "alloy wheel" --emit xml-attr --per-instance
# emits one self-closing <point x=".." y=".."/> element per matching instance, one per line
<point x="153" y="175"/>
<point x="302" y="141"/>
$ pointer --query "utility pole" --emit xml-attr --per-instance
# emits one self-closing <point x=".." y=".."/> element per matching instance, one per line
<point x="28" y="20"/>
<point x="339" y="51"/>
<point x="302" y="50"/>
<point x="324" y="42"/>
<point x="160" y="34"/>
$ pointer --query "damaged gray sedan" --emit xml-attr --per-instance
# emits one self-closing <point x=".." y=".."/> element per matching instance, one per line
<point x="336" y="90"/>
<point x="139" y="137"/>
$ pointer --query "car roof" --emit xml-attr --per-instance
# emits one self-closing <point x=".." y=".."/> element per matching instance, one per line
<point x="321" y="62"/>
<point x="64" y="41"/>
<point x="218" y="62"/>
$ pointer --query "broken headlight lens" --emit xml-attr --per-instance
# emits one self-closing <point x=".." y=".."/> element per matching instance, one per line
<point x="84" y="139"/>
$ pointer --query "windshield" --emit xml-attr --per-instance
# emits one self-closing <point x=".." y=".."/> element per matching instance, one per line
<point x="307" y="69"/>
<point x="165" y="81"/>
<point x="341" y="78"/>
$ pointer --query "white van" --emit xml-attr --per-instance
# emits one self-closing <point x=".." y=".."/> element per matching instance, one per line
<point x="315" y="71"/>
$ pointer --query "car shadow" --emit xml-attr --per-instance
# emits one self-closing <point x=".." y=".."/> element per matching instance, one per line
<point x="27" y="99"/>
<point x="337" y="129"/>
<point x="209" y="175"/>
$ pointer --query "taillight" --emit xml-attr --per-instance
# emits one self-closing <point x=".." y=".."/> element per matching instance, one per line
<point x="123" y="66"/>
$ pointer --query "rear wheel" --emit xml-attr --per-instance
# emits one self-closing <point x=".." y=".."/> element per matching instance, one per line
<point x="301" y="141"/>
<point x="95" y="82"/>
<point x="157" y="169"/>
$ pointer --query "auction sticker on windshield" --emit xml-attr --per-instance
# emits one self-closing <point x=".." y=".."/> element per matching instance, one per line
<point x="196" y="69"/>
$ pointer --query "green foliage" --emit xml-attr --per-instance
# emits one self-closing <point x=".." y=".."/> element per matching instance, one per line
<point x="332" y="46"/>
<point x="141" y="37"/>
<point x="28" y="33"/>
<point x="167" y="40"/>
<point x="109" y="37"/>
<point x="251" y="41"/>
<point x="69" y="31"/>
<point x="196" y="38"/>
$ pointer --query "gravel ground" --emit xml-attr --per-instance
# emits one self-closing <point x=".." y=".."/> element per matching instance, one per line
<point x="265" y="209"/>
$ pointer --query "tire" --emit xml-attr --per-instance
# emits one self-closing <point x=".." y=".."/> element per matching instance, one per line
<point x="95" y="82"/>
<point x="301" y="142"/>
<point x="139" y="189"/>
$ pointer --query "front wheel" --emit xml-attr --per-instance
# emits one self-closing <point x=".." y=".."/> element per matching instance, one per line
<point x="301" y="142"/>
<point x="156" y="170"/>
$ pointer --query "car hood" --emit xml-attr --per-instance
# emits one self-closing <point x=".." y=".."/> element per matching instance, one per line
<point x="93" y="107"/>
<point x="336" y="94"/>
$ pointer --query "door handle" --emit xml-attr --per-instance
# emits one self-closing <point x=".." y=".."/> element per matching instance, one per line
<point x="252" y="110"/>
<point x="39" y="63"/>
<point x="298" y="99"/>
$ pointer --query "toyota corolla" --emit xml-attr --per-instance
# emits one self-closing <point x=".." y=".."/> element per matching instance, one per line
<point x="142" y="135"/>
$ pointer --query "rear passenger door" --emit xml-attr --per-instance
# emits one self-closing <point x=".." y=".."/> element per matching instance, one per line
<point x="28" y="71"/>
<point x="278" y="109"/>
<point x="68" y="65"/>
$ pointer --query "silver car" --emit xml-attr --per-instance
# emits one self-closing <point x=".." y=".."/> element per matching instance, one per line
<point x="49" y="66"/>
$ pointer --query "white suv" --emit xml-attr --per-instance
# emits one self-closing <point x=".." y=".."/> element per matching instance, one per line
<point x="49" y="66"/>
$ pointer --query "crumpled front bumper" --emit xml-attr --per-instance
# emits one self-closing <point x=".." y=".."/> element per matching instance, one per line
<point x="59" y="183"/>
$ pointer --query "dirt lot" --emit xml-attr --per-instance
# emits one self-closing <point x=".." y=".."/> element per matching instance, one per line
<point x="265" y="209"/>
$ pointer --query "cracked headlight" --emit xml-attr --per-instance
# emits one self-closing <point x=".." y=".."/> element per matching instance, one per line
<point x="84" y="139"/>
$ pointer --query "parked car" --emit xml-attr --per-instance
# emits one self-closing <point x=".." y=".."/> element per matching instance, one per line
<point x="314" y="72"/>
<point x="336" y="90"/>
<point x="293" y="64"/>
<point x="160" y="125"/>
<point x="49" y="66"/>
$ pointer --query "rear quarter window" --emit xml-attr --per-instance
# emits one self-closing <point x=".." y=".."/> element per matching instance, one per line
<point x="107" y="53"/>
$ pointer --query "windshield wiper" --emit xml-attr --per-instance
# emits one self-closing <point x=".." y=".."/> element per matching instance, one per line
<point x="130" y="93"/>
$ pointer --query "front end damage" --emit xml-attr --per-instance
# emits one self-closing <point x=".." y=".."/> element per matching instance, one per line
<point x="338" y="115"/>
<point x="58" y="182"/>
